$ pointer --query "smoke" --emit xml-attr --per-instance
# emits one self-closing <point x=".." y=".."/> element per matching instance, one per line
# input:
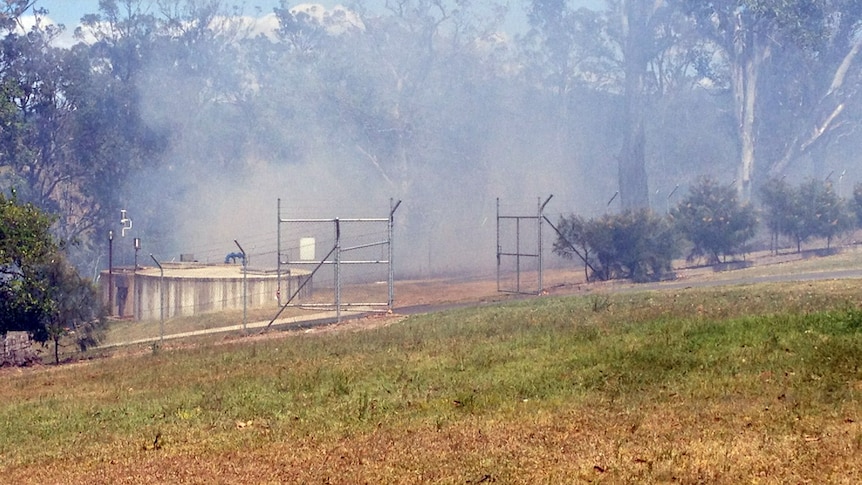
<point x="235" y="152"/>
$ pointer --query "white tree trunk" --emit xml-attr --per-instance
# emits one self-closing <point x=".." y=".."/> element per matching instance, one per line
<point x="749" y="53"/>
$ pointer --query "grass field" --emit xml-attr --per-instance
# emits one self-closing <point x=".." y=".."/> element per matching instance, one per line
<point x="739" y="384"/>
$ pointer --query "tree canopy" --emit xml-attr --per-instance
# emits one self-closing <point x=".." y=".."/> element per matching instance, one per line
<point x="26" y="249"/>
<point x="193" y="114"/>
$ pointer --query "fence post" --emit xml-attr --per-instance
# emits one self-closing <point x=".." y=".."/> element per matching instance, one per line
<point x="393" y="206"/>
<point x="337" y="270"/>
<point x="161" y="299"/>
<point x="540" y="216"/>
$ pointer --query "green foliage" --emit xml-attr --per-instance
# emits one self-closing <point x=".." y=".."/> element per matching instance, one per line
<point x="812" y="209"/>
<point x="636" y="244"/>
<point x="41" y="293"/>
<point x="714" y="220"/>
<point x="26" y="247"/>
<point x="76" y="311"/>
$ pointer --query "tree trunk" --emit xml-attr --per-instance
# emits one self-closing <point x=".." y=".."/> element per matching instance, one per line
<point x="634" y="189"/>
<point x="750" y="55"/>
<point x="636" y="42"/>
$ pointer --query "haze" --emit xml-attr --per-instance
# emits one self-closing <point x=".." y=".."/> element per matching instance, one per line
<point x="447" y="109"/>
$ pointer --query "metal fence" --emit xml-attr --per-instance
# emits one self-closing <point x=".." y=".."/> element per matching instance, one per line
<point x="348" y="262"/>
<point x="520" y="251"/>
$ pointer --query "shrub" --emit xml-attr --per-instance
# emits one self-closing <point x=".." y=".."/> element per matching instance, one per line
<point x="811" y="210"/>
<point x="634" y="244"/>
<point x="713" y="219"/>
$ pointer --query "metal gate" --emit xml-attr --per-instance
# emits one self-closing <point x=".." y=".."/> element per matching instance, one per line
<point x="519" y="251"/>
<point x="338" y="264"/>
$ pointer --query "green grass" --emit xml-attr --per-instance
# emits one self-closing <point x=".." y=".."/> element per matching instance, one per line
<point x="691" y="367"/>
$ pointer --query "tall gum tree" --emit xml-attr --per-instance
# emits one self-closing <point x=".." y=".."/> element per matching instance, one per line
<point x="568" y="52"/>
<point x="626" y="39"/>
<point x="638" y="47"/>
<point x="750" y="37"/>
<point x="828" y="68"/>
<point x="742" y="36"/>
<point x="40" y="121"/>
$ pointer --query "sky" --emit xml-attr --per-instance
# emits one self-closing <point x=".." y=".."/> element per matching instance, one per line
<point x="69" y="12"/>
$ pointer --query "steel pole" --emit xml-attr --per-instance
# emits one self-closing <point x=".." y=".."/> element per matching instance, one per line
<point x="244" y="287"/>
<point x="161" y="299"/>
<point x="391" y="230"/>
<point x="278" y="255"/>
<point x="337" y="271"/>
<point x="110" y="273"/>
<point x="541" y="216"/>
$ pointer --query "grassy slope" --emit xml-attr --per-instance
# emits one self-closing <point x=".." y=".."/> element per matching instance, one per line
<point x="728" y="385"/>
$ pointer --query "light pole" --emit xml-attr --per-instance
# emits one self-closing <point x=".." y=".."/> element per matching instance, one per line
<point x="137" y="244"/>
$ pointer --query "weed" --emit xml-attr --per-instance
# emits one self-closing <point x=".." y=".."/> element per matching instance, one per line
<point x="600" y="303"/>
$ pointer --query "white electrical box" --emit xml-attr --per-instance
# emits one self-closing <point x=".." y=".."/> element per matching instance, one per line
<point x="306" y="249"/>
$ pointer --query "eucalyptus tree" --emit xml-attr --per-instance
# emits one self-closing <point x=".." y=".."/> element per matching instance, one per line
<point x="40" y="292"/>
<point x="640" y="41"/>
<point x="26" y="246"/>
<point x="39" y="146"/>
<point x="572" y="71"/>
<point x="116" y="44"/>
<point x="824" y="85"/>
<point x="401" y="101"/>
<point x="804" y="51"/>
<point x="172" y="68"/>
<point x="198" y="61"/>
<point x="39" y="117"/>
<point x="627" y="50"/>
<point x="394" y="90"/>
<point x="398" y="53"/>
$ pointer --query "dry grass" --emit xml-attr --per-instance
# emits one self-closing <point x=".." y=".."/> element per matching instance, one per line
<point x="740" y="384"/>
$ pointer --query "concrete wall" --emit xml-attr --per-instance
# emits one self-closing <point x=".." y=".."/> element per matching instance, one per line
<point x="188" y="296"/>
<point x="122" y="280"/>
<point x="193" y="296"/>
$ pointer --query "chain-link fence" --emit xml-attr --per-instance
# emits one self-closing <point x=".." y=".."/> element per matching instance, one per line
<point x="319" y="269"/>
<point x="520" y="251"/>
<point x="348" y="263"/>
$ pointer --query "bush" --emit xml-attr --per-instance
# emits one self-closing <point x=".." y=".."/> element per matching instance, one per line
<point x="40" y="292"/>
<point x="714" y="220"/>
<point x="811" y="210"/>
<point x="635" y="244"/>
